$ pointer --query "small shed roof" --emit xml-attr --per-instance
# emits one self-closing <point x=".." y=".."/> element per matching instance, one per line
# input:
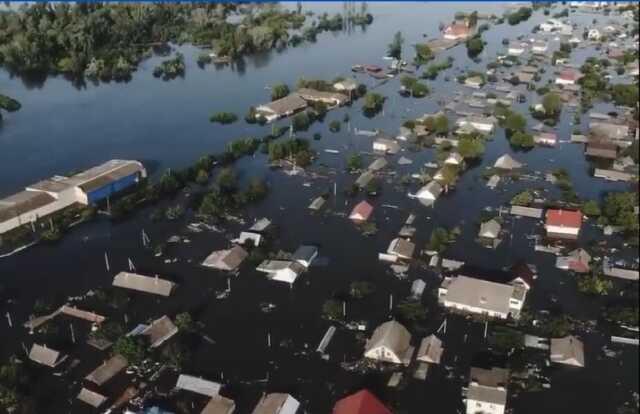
<point x="45" y="356"/>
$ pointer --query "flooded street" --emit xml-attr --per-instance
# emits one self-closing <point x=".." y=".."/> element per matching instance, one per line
<point x="61" y="128"/>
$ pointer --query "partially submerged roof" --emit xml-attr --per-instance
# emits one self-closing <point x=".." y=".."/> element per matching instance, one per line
<point x="92" y="398"/>
<point x="568" y="350"/>
<point x="23" y="202"/>
<point x="391" y="335"/>
<point x="401" y="248"/>
<point x="219" y="405"/>
<point x="276" y="403"/>
<point x="480" y="294"/>
<point x="143" y="283"/>
<point x="228" y="259"/>
<point x="564" y="218"/>
<point x="507" y="162"/>
<point x="362" y="402"/>
<point x="260" y="225"/>
<point x="362" y="211"/>
<point x="159" y="331"/>
<point x="490" y="229"/>
<point x="45" y="356"/>
<point x="198" y="385"/>
<point x="430" y="350"/>
<point x="102" y="174"/>
<point x="288" y="104"/>
<point x="107" y="370"/>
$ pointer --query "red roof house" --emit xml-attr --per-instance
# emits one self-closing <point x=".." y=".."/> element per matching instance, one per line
<point x="361" y="212"/>
<point x="563" y="223"/>
<point x="362" y="402"/>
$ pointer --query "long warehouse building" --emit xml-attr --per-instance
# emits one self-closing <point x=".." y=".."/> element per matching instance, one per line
<point x="57" y="193"/>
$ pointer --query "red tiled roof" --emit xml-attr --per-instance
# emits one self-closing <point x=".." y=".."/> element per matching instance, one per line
<point x="362" y="402"/>
<point x="564" y="218"/>
<point x="362" y="209"/>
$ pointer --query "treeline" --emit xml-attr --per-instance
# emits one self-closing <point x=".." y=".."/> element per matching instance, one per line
<point x="107" y="41"/>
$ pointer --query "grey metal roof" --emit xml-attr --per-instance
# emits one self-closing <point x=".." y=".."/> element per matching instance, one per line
<point x="142" y="283"/>
<point x="198" y="385"/>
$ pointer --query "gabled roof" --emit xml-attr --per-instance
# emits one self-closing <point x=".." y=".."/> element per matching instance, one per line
<point x="564" y="218"/>
<point x="219" y="405"/>
<point x="45" y="356"/>
<point x="92" y="398"/>
<point x="521" y="270"/>
<point x="362" y="211"/>
<point x="198" y="385"/>
<point x="362" y="402"/>
<point x="430" y="350"/>
<point x="507" y="162"/>
<point x="276" y="403"/>
<point x="568" y="350"/>
<point x="392" y="335"/>
<point x="143" y="283"/>
<point x="159" y="331"/>
<point x="107" y="370"/>
<point x="228" y="259"/>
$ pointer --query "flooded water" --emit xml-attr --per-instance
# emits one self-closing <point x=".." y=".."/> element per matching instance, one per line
<point x="165" y="124"/>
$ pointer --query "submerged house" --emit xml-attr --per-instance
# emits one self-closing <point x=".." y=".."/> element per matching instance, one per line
<point x="198" y="385"/>
<point x="507" y="162"/>
<point x="281" y="108"/>
<point x="276" y="403"/>
<point x="429" y="192"/>
<point x="568" y="350"/>
<point x="281" y="270"/>
<point x="430" y="350"/>
<point x="490" y="229"/>
<point x="141" y="283"/>
<point x="487" y="391"/>
<point x="219" y="405"/>
<point x="568" y="77"/>
<point x="484" y="124"/>
<point x="92" y="398"/>
<point x="577" y="260"/>
<point x="386" y="145"/>
<point x="601" y="149"/>
<point x="390" y="342"/>
<point x="305" y="255"/>
<point x="228" y="259"/>
<point x="516" y="48"/>
<point x="563" y="223"/>
<point x="361" y="212"/>
<point x="46" y="356"/>
<point x="546" y="138"/>
<point x="107" y="370"/>
<point x="362" y="402"/>
<point x="456" y="31"/>
<point x="401" y="248"/>
<point x="160" y="330"/>
<point x="331" y="99"/>
<point x="493" y="293"/>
